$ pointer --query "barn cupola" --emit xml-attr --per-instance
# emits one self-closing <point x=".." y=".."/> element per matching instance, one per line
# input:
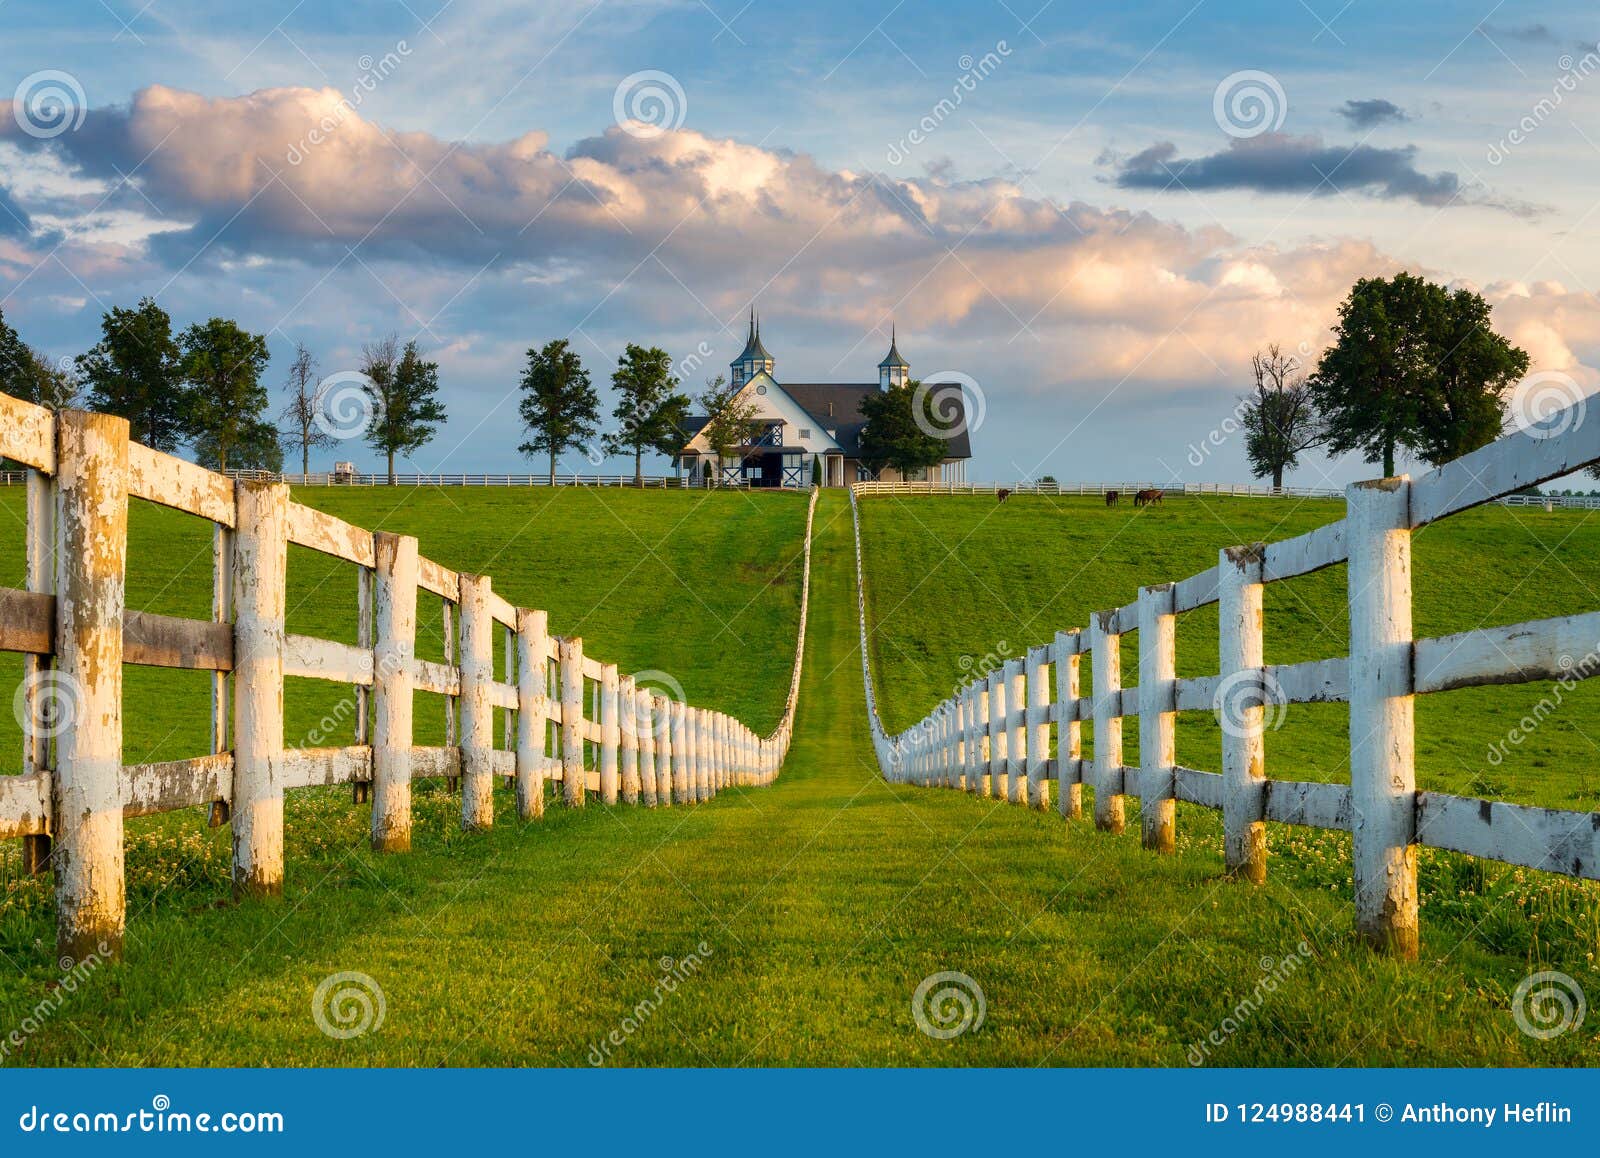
<point x="893" y="370"/>
<point x="753" y="359"/>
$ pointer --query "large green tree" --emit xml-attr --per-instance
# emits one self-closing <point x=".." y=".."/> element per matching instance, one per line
<point x="650" y="411"/>
<point x="1413" y="366"/>
<point x="27" y="374"/>
<point x="894" y="437"/>
<point x="15" y="361"/>
<point x="403" y="389"/>
<point x="222" y="365"/>
<point x="559" y="406"/>
<point x="135" y="371"/>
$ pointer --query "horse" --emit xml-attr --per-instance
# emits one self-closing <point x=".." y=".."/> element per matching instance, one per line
<point x="1147" y="498"/>
<point x="1002" y="495"/>
<point x="1111" y="498"/>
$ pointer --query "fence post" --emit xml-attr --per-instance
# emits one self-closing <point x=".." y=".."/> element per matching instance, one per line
<point x="1016" y="732"/>
<point x="958" y="740"/>
<point x="392" y="680"/>
<point x="477" y="713"/>
<point x="682" y="789"/>
<point x="628" y="750"/>
<point x="35" y="728"/>
<point x="997" y="734"/>
<point x="644" y="729"/>
<point x="361" y="791"/>
<point x="1158" y="624"/>
<point x="1038" y="728"/>
<point x="1105" y="664"/>
<point x="573" y="774"/>
<point x="91" y="570"/>
<point x="260" y="570"/>
<point x="981" y="724"/>
<point x="1241" y="709"/>
<point x="974" y="749"/>
<point x="533" y="710"/>
<point x="1069" y="727"/>
<point x="661" y="720"/>
<point x="1383" y="780"/>
<point x="610" y="732"/>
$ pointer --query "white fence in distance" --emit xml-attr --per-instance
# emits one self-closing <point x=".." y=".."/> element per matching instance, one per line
<point x="571" y="718"/>
<point x="993" y="736"/>
<point x="1229" y="490"/>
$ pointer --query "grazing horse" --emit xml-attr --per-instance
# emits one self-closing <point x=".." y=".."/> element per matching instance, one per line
<point x="1002" y="495"/>
<point x="1146" y="498"/>
<point x="1111" y="498"/>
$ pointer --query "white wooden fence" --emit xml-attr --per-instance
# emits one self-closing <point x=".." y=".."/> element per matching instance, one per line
<point x="571" y="718"/>
<point x="994" y="736"/>
<point x="1128" y="489"/>
<point x="457" y="479"/>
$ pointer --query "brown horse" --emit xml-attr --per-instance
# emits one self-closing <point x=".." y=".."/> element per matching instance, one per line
<point x="1111" y="498"/>
<point x="1147" y="498"/>
<point x="1002" y="495"/>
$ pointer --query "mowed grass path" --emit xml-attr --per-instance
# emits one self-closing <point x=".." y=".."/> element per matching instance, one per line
<point x="814" y="909"/>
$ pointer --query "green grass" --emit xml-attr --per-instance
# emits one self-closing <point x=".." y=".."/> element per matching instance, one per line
<point x="821" y="902"/>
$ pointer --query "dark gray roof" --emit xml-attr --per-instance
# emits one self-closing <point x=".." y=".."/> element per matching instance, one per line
<point x="845" y="421"/>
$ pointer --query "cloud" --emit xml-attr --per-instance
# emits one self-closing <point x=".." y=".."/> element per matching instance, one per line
<point x="1528" y="33"/>
<point x="1367" y="114"/>
<point x="1280" y="163"/>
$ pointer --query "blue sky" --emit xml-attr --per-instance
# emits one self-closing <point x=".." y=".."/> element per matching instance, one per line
<point x="1084" y="234"/>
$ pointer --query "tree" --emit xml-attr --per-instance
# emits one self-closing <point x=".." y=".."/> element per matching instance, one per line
<point x="1413" y="366"/>
<point x="302" y="431"/>
<point x="255" y="446"/>
<point x="894" y="437"/>
<point x="728" y="419"/>
<point x="403" y="388"/>
<point x="27" y="374"/>
<point x="649" y="408"/>
<point x="222" y="366"/>
<point x="1475" y="371"/>
<point x="559" y="406"/>
<point x="14" y="361"/>
<point x="135" y="371"/>
<point x="1280" y="420"/>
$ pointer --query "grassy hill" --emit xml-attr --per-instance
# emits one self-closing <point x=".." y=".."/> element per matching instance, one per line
<point x="812" y="912"/>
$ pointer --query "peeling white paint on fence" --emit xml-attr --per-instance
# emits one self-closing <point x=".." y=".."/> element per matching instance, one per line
<point x="619" y="740"/>
<point x="1387" y="668"/>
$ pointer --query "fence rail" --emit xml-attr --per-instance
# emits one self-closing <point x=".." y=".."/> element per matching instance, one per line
<point x="993" y="737"/>
<point x="571" y="718"/>
<point x="1129" y="489"/>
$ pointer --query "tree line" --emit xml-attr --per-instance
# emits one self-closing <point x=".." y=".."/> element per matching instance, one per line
<point x="1413" y="366"/>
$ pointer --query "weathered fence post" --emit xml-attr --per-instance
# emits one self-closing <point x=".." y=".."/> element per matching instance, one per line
<point x="628" y="721"/>
<point x="958" y="740"/>
<point x="1158" y="625"/>
<point x="1069" y="727"/>
<point x="1038" y="727"/>
<point x="661" y="721"/>
<point x="477" y="713"/>
<point x="392" y="681"/>
<point x="260" y="571"/>
<point x="644" y="726"/>
<point x="1383" y="781"/>
<point x="361" y="790"/>
<point x="983" y="724"/>
<point x="573" y="774"/>
<point x="610" y="732"/>
<point x="1241" y="707"/>
<point x="1105" y="663"/>
<point x="974" y="722"/>
<point x="1016" y="732"/>
<point x="682" y="767"/>
<point x="41" y="567"/>
<point x="91" y="569"/>
<point x="997" y="735"/>
<point x="533" y="710"/>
